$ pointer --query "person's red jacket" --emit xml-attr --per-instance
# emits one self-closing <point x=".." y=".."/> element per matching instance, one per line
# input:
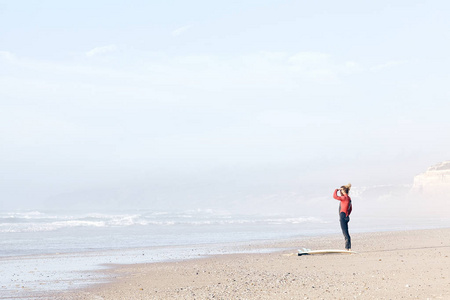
<point x="346" y="203"/>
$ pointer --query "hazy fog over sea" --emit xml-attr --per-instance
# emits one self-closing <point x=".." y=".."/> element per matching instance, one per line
<point x="256" y="107"/>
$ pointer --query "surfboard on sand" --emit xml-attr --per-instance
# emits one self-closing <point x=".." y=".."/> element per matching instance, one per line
<point x="305" y="251"/>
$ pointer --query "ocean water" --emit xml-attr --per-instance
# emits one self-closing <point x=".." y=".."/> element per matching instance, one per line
<point x="37" y="232"/>
<point x="43" y="251"/>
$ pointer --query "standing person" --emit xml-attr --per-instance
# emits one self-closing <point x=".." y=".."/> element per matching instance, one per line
<point x="345" y="208"/>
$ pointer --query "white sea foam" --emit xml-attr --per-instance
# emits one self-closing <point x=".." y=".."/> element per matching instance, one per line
<point x="22" y="215"/>
<point x="36" y="221"/>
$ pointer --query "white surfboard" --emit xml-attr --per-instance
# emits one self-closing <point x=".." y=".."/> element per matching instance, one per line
<point x="305" y="251"/>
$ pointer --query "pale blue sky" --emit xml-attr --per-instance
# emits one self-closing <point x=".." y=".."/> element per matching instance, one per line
<point x="101" y="93"/>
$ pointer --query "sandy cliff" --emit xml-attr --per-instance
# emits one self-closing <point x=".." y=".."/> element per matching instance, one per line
<point x="435" y="181"/>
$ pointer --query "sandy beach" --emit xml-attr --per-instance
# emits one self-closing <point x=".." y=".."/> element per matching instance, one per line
<point x="388" y="265"/>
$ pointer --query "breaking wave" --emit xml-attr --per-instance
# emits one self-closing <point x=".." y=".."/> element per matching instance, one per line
<point x="35" y="221"/>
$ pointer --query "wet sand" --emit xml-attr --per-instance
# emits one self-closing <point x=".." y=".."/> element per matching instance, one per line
<point x="388" y="265"/>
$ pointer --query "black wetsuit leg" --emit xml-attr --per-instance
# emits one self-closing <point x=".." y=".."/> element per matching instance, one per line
<point x="344" y="226"/>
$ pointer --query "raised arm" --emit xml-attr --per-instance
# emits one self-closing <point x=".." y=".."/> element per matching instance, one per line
<point x="335" y="196"/>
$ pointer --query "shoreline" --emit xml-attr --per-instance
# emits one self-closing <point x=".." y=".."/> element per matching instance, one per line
<point x="389" y="265"/>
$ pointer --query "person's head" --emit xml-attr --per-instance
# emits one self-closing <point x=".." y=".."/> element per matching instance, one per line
<point x="345" y="189"/>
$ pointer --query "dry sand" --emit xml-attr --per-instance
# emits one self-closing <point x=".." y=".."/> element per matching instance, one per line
<point x="389" y="265"/>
